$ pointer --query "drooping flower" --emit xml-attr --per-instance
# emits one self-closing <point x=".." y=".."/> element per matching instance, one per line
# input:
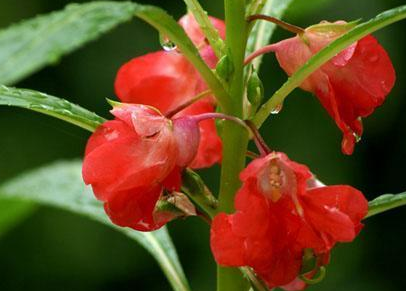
<point x="133" y="161"/>
<point x="167" y="80"/>
<point x="279" y="214"/>
<point x="351" y="85"/>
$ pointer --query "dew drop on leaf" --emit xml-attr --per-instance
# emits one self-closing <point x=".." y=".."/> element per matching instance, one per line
<point x="357" y="137"/>
<point x="277" y="109"/>
<point x="166" y="43"/>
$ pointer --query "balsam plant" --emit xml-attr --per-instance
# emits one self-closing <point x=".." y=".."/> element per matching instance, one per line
<point x="198" y="102"/>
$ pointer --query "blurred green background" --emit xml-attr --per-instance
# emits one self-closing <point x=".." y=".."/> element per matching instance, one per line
<point x="55" y="250"/>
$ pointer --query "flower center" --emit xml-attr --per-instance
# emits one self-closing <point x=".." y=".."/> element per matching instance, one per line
<point x="275" y="182"/>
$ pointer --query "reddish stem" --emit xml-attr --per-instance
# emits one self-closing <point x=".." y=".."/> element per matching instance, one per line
<point x="287" y="26"/>
<point x="175" y="111"/>
<point x="259" y="141"/>
<point x="261" y="51"/>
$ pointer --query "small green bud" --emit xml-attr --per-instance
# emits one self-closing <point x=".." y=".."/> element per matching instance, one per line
<point x="255" y="91"/>
<point x="224" y="68"/>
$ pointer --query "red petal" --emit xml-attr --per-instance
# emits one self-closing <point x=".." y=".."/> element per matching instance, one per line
<point x="345" y="198"/>
<point x="192" y="28"/>
<point x="164" y="80"/>
<point x="134" y="208"/>
<point x="335" y="211"/>
<point x="227" y="248"/>
<point x="252" y="216"/>
<point x="285" y="268"/>
<point x="127" y="161"/>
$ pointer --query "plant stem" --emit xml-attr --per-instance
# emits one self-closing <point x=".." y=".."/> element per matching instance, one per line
<point x="235" y="138"/>
<point x="260" y="52"/>
<point x="199" y="96"/>
<point x="259" y="141"/>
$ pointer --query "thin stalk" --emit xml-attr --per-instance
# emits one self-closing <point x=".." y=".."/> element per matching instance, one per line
<point x="259" y="141"/>
<point x="260" y="52"/>
<point x="285" y="25"/>
<point x="252" y="155"/>
<point x="248" y="125"/>
<point x="235" y="139"/>
<point x="207" y="27"/>
<point x="255" y="281"/>
<point x="173" y="112"/>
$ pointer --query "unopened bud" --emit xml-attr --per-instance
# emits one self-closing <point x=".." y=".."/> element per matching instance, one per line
<point x="255" y="91"/>
<point x="224" y="68"/>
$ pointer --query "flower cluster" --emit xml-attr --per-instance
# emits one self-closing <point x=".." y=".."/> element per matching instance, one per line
<point x="284" y="217"/>
<point x="281" y="211"/>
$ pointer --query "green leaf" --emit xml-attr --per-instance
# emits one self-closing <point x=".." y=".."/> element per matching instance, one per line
<point x="263" y="30"/>
<point x="60" y="185"/>
<point x="358" y="32"/>
<point x="12" y="213"/>
<point x="386" y="202"/>
<point x="207" y="27"/>
<point x="50" y="105"/>
<point x="32" y="44"/>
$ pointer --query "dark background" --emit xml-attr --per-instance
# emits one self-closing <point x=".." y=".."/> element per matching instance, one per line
<point x="55" y="250"/>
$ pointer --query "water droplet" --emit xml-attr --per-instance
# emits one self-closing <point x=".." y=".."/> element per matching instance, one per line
<point x="357" y="137"/>
<point x="166" y="43"/>
<point x="277" y="109"/>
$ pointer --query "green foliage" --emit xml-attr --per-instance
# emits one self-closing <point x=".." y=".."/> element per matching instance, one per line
<point x="12" y="212"/>
<point x="32" y="44"/>
<point x="384" y="19"/>
<point x="60" y="185"/>
<point x="386" y="202"/>
<point x="50" y="105"/>
<point x="207" y="27"/>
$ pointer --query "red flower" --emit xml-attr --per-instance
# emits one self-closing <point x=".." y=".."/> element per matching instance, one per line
<point x="278" y="215"/>
<point x="131" y="160"/>
<point x="351" y="85"/>
<point x="166" y="80"/>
